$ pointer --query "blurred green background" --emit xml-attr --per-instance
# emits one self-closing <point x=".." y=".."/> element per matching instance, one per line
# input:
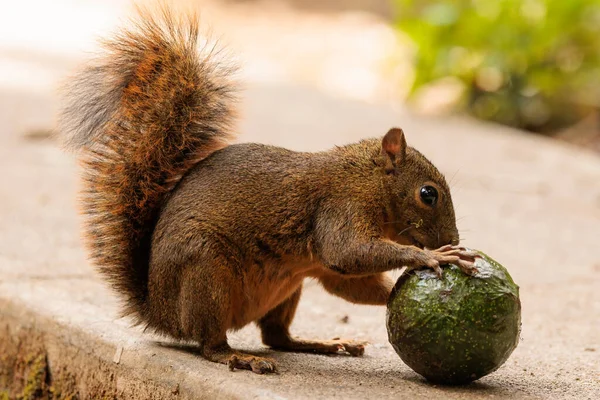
<point x="531" y="64"/>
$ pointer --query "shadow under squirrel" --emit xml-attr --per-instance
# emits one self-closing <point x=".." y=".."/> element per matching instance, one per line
<point x="201" y="237"/>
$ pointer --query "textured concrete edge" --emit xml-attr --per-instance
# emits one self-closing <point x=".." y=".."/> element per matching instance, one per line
<point x="85" y="364"/>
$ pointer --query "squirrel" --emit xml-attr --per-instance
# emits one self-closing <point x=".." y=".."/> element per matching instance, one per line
<point x="201" y="236"/>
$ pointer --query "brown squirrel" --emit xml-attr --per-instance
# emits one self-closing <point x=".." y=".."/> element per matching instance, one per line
<point x="201" y="237"/>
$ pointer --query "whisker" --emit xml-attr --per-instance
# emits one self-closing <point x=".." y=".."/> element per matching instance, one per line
<point x="452" y="178"/>
<point x="404" y="230"/>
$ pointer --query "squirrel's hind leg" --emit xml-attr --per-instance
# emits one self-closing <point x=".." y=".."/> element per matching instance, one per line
<point x="275" y="333"/>
<point x="204" y="309"/>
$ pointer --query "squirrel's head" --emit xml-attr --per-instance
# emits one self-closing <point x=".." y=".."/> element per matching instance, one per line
<point x="422" y="213"/>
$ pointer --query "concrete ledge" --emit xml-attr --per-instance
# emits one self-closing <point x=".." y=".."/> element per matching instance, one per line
<point x="42" y="357"/>
<point x="529" y="202"/>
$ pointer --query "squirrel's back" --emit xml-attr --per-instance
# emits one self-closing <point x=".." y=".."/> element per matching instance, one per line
<point x="141" y="116"/>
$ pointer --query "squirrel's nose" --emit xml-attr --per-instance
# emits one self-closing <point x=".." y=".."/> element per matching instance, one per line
<point x="450" y="237"/>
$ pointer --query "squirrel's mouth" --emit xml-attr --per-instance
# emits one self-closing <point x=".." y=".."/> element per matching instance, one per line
<point x="406" y="238"/>
<point x="416" y="243"/>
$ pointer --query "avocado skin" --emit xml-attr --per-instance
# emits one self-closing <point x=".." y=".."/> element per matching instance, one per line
<point x="456" y="329"/>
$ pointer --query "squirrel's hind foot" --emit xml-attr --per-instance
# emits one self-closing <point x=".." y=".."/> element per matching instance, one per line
<point x="236" y="360"/>
<point x="258" y="365"/>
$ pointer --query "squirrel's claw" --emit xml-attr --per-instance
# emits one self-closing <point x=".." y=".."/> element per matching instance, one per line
<point x="258" y="365"/>
<point x="449" y="254"/>
<point x="353" y="347"/>
<point x="467" y="267"/>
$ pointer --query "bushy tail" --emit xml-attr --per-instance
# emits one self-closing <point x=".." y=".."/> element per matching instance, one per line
<point x="141" y="116"/>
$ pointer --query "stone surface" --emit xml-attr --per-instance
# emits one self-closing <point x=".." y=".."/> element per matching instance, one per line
<point x="529" y="202"/>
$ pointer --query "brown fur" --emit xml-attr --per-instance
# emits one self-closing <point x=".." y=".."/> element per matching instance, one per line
<point x="202" y="238"/>
<point x="142" y="116"/>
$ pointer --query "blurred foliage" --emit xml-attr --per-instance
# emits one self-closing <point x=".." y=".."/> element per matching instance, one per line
<point x="533" y="64"/>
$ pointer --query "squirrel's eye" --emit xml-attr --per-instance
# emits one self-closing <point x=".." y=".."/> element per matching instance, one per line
<point x="429" y="195"/>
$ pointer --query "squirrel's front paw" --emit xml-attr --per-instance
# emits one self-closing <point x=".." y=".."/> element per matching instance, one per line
<point x="449" y="254"/>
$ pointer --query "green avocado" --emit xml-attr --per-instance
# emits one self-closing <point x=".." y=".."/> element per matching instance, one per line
<point x="456" y="329"/>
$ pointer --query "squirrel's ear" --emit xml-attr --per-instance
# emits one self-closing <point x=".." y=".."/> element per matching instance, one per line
<point x="393" y="148"/>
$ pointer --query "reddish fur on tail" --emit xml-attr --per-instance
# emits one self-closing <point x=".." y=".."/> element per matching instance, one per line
<point x="141" y="116"/>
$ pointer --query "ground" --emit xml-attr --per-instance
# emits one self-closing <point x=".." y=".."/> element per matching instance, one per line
<point x="531" y="203"/>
